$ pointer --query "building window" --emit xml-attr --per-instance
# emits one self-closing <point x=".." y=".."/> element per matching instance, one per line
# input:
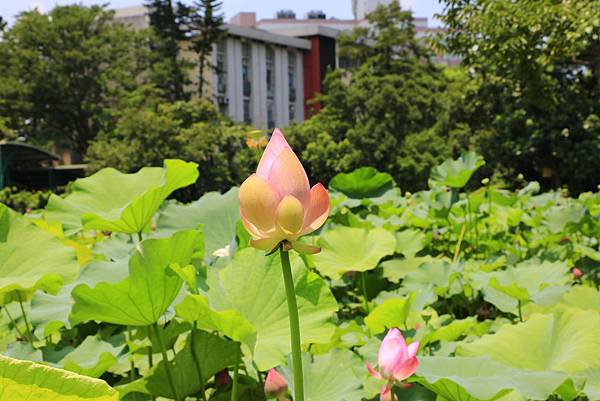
<point x="222" y="77"/>
<point x="246" y="81"/>
<point x="292" y="85"/>
<point x="270" y="78"/>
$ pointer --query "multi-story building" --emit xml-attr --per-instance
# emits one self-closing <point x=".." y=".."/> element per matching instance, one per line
<point x="269" y="71"/>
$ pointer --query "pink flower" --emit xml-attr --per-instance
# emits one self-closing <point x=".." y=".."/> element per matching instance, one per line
<point x="396" y="360"/>
<point x="577" y="273"/>
<point x="277" y="203"/>
<point x="275" y="385"/>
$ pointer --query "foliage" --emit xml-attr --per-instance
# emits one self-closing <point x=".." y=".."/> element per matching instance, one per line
<point x="479" y="275"/>
<point x="60" y="71"/>
<point x="168" y="70"/>
<point x="207" y="27"/>
<point x="532" y="103"/>
<point x="372" y="111"/>
<point x="149" y="129"/>
<point x="23" y="200"/>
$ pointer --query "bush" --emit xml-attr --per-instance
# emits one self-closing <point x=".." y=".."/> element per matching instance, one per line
<point x="23" y="200"/>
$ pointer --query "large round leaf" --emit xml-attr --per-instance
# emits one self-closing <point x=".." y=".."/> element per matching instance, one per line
<point x="332" y="376"/>
<point x="352" y="249"/>
<point x="456" y="173"/>
<point x="31" y="258"/>
<point x="217" y="213"/>
<point x="20" y="380"/>
<point x="465" y="379"/>
<point x="92" y="357"/>
<point x="151" y="287"/>
<point x="115" y="201"/>
<point x="567" y="340"/>
<point x="365" y="182"/>
<point x="252" y="286"/>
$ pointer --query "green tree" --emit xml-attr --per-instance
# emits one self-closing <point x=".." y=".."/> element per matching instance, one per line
<point x="60" y="71"/>
<point x="2" y="24"/>
<point x="373" y="108"/>
<point x="207" y="26"/>
<point x="533" y="101"/>
<point x="169" y="70"/>
<point x="150" y="129"/>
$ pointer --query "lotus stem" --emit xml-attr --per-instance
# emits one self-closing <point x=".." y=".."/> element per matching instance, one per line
<point x="13" y="322"/>
<point x="197" y="363"/>
<point x="294" y="325"/>
<point x="166" y="361"/>
<point x="234" y="385"/>
<point x="29" y="331"/>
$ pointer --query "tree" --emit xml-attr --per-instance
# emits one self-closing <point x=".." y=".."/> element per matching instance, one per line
<point x="2" y="24"/>
<point x="370" y="110"/>
<point x="206" y="26"/>
<point x="60" y="72"/>
<point x="169" y="70"/>
<point x="533" y="104"/>
<point x="150" y="129"/>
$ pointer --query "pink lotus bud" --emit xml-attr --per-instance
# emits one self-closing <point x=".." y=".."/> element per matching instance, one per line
<point x="577" y="273"/>
<point x="222" y="379"/>
<point x="397" y="361"/>
<point x="275" y="384"/>
<point x="277" y="203"/>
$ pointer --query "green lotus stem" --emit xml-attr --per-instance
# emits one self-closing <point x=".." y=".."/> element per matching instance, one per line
<point x="197" y="363"/>
<point x="294" y="325"/>
<point x="166" y="361"/>
<point x="364" y="290"/>
<point x="234" y="385"/>
<point x="140" y="238"/>
<point x="520" y="313"/>
<point x="131" y="362"/>
<point x="13" y="322"/>
<point x="29" y="332"/>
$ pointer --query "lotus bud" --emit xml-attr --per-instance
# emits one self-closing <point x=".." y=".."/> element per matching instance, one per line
<point x="277" y="204"/>
<point x="396" y="360"/>
<point x="275" y="384"/>
<point x="222" y="379"/>
<point x="577" y="273"/>
<point x="485" y="181"/>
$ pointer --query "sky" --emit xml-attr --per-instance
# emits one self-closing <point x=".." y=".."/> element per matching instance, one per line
<point x="263" y="8"/>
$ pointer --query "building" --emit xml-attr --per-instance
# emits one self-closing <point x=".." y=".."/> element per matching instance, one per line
<point x="269" y="71"/>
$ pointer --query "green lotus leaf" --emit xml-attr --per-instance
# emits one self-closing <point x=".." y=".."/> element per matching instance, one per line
<point x="365" y="182"/>
<point x="252" y="286"/>
<point x="143" y="297"/>
<point x="31" y="259"/>
<point x="115" y="201"/>
<point x="526" y="279"/>
<point x="472" y="379"/>
<point x="20" y="380"/>
<point x="390" y="313"/>
<point x="558" y="217"/>
<point x="455" y="173"/>
<point x="333" y="376"/>
<point x="213" y="354"/>
<point x="567" y="340"/>
<point x="346" y="249"/>
<point x="409" y="242"/>
<point x="91" y="358"/>
<point x="396" y="269"/>
<point x="217" y="213"/>
<point x="49" y="313"/>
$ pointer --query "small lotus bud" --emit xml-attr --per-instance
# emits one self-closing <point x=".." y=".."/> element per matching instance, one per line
<point x="222" y="379"/>
<point x="520" y="177"/>
<point x="485" y="181"/>
<point x="275" y="384"/>
<point x="577" y="273"/>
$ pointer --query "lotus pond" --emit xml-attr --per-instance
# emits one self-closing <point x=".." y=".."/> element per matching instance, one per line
<point x="116" y="292"/>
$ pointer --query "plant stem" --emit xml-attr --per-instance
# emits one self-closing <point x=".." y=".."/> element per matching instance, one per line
<point x="13" y="323"/>
<point x="519" y="307"/>
<point x="364" y="290"/>
<point x="131" y="361"/>
<point x="150" y="361"/>
<point x="294" y="325"/>
<point x="460" y="239"/>
<point x="140" y="238"/>
<point x="197" y="363"/>
<point x="29" y="332"/>
<point x="166" y="361"/>
<point x="234" y="385"/>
